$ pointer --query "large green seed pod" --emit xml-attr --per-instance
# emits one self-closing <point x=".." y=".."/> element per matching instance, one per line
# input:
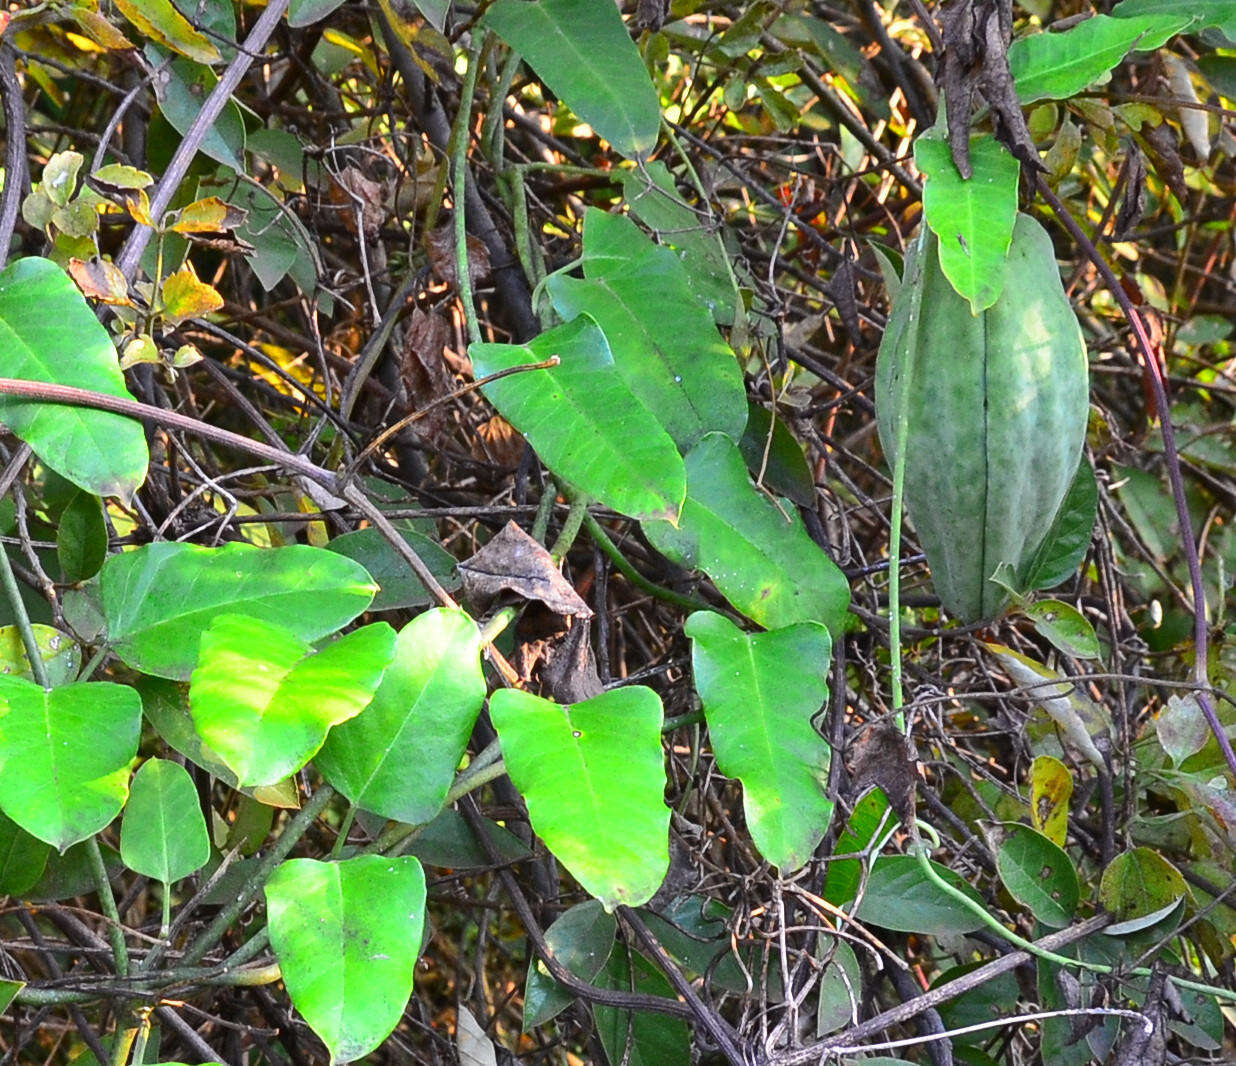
<point x="995" y="415"/>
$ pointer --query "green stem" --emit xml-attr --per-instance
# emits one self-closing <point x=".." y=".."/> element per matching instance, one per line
<point x="570" y="528"/>
<point x="115" y="931"/>
<point x="459" y="177"/>
<point x="624" y="567"/>
<point x="919" y="849"/>
<point x="288" y="839"/>
<point x="473" y="778"/>
<point x="540" y="521"/>
<point x="94" y="662"/>
<point x="341" y="838"/>
<point x="21" y="615"/>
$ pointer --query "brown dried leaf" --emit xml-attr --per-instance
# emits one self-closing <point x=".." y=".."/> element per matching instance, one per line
<point x="102" y="280"/>
<point x="423" y="370"/>
<point x="498" y="441"/>
<point x="440" y="244"/>
<point x="1133" y="204"/>
<point x="882" y="757"/>
<point x="359" y="191"/>
<point x="514" y="562"/>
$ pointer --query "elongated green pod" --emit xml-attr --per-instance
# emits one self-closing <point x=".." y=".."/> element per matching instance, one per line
<point x="995" y="415"/>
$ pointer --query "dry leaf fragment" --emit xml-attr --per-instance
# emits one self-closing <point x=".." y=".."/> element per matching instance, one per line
<point x="423" y="370"/>
<point x="102" y="280"/>
<point x="440" y="244"/>
<point x="514" y="562"/>
<point x="882" y="757"/>
<point x="363" y="193"/>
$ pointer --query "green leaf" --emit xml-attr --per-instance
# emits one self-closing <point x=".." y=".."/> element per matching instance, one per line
<point x="159" y="598"/>
<point x="397" y="758"/>
<point x="974" y="217"/>
<point x="639" y="1038"/>
<point x="581" y="939"/>
<point x="585" y="422"/>
<point x="760" y="692"/>
<point x="1060" y="554"/>
<point x="398" y="586"/>
<point x="8" y="992"/>
<point x="1038" y="874"/>
<point x="1182" y="727"/>
<point x="654" y="200"/>
<point x="664" y="343"/>
<point x="841" y="988"/>
<point x="163" y="832"/>
<point x="165" y="706"/>
<point x="1065" y="626"/>
<point x="62" y="656"/>
<point x="307" y="12"/>
<point x="22" y="859"/>
<point x="993" y="999"/>
<point x="448" y="841"/>
<point x="160" y="21"/>
<point x="758" y="554"/>
<point x="1220" y="13"/>
<point x="81" y="538"/>
<point x="180" y="90"/>
<point x="593" y="776"/>
<point x="1139" y="882"/>
<point x="581" y="50"/>
<point x="64" y="756"/>
<point x="363" y="918"/>
<point x="48" y="333"/>
<point x="263" y="699"/>
<point x="1054" y="66"/>
<point x="785" y="467"/>
<point x="899" y="896"/>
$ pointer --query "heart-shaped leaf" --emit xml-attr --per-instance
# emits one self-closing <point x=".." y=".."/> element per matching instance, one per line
<point x="64" y="756"/>
<point x="159" y="598"/>
<point x="1038" y="874"/>
<point x="347" y="935"/>
<point x="397" y="757"/>
<point x="663" y="340"/>
<point x="49" y="333"/>
<point x="760" y="692"/>
<point x="163" y="832"/>
<point x="757" y="554"/>
<point x="593" y="776"/>
<point x="264" y="700"/>
<point x="584" y="420"/>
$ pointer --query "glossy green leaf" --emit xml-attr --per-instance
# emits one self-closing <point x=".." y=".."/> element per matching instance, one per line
<point x="263" y="699"/>
<point x="398" y="586"/>
<point x="1038" y="874"/>
<point x="781" y="459"/>
<point x="654" y="200"/>
<point x="974" y="217"/>
<point x="584" y="420"/>
<point x="62" y="656"/>
<point x="1054" y="66"/>
<point x="22" y="858"/>
<point x="8" y="992"/>
<point x="180" y="91"/>
<point x="664" y="343"/>
<point x="1221" y="13"/>
<point x="581" y="939"/>
<point x="307" y="12"/>
<point x="1065" y="626"/>
<point x="48" y="333"/>
<point x="593" y="776"/>
<point x="582" y="51"/>
<point x="81" y="537"/>
<point x="163" y="832"/>
<point x="1060" y="554"/>
<point x="757" y="553"/>
<point x="760" y="693"/>
<point x="64" y="756"/>
<point x="347" y="935"/>
<point x="165" y="705"/>
<point x="899" y="896"/>
<point x="639" y="1038"/>
<point x="1138" y="882"/>
<point x="398" y="757"/>
<point x="159" y="598"/>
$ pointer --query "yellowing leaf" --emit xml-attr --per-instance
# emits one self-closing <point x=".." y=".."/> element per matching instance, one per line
<point x="121" y="176"/>
<point x="100" y="30"/>
<point x="1051" y="785"/>
<point x="141" y="349"/>
<point x="211" y="215"/>
<point x="100" y="279"/>
<point x="186" y="296"/>
<point x="163" y="24"/>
